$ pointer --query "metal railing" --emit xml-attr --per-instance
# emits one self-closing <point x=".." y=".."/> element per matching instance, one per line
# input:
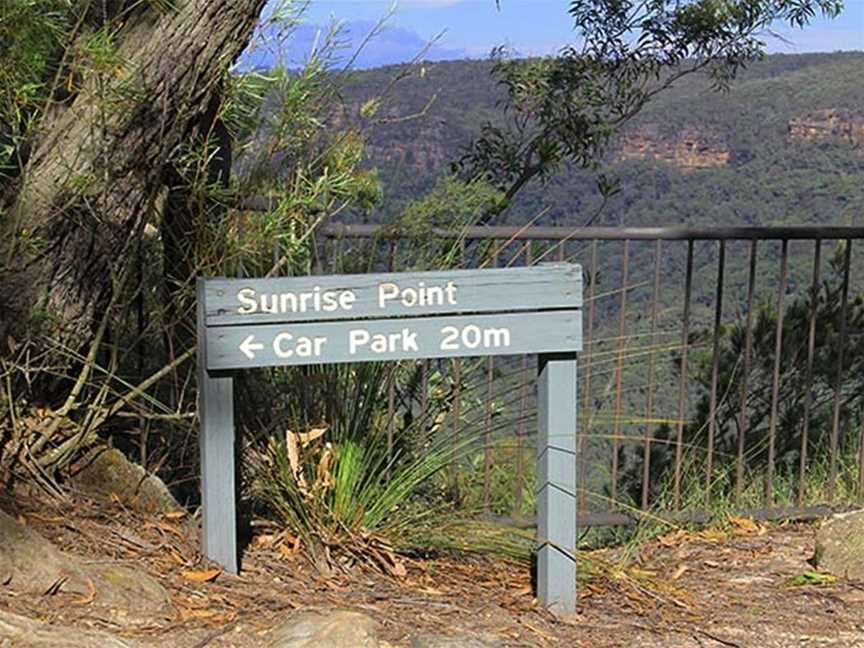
<point x="672" y="316"/>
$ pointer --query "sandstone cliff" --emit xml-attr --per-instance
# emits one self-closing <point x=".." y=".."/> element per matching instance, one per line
<point x="688" y="148"/>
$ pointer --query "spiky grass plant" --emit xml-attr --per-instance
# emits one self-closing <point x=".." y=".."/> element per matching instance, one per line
<point x="353" y="485"/>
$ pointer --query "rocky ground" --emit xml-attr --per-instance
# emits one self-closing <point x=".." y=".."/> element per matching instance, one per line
<point x="84" y="574"/>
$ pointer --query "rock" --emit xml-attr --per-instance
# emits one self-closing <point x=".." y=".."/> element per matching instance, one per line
<point x="21" y="632"/>
<point x="457" y="641"/>
<point x="840" y="546"/>
<point x="31" y="564"/>
<point x="106" y="471"/>
<point x="326" y="629"/>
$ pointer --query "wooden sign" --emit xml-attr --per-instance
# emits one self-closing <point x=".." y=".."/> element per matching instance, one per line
<point x="246" y="323"/>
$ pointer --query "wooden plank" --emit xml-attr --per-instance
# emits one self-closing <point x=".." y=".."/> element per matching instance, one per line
<point x="231" y="302"/>
<point x="216" y="441"/>
<point x="393" y="339"/>
<point x="556" y="482"/>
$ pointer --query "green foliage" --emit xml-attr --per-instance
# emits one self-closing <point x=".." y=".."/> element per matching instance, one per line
<point x="452" y="203"/>
<point x="31" y="34"/>
<point x="811" y="578"/>
<point x="566" y="108"/>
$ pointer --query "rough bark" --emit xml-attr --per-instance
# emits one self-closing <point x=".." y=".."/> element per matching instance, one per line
<point x="97" y="169"/>
<point x="188" y="216"/>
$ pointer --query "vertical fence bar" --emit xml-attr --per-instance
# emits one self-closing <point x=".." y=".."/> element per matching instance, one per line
<point x="775" y="385"/>
<point x="715" y="372"/>
<point x="652" y="377"/>
<point x="811" y="352"/>
<point x="619" y="370"/>
<point x="744" y="420"/>
<point x="682" y="385"/>
<point x="838" y="383"/>
<point x="487" y="432"/>
<point x="584" y="431"/>
<point x="523" y="413"/>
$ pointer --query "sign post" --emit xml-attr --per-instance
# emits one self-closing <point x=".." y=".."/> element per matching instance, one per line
<point x="246" y="323"/>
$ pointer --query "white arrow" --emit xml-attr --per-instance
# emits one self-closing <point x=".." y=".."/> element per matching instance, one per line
<point x="248" y="348"/>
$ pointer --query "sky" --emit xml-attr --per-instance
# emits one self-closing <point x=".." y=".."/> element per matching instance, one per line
<point x="472" y="28"/>
<point x="536" y="27"/>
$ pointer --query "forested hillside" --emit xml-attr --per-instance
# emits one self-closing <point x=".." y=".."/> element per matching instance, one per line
<point x="785" y="144"/>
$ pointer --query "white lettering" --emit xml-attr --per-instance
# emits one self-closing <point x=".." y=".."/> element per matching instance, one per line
<point x="295" y="302"/>
<point x="356" y="339"/>
<point x="473" y="337"/>
<point x="404" y="340"/>
<point x="328" y="302"/>
<point x="277" y="345"/>
<point x="305" y="347"/>
<point x="409" y="340"/>
<point x="247" y="297"/>
<point x="347" y="299"/>
<point x="422" y="295"/>
<point x="387" y="291"/>
<point x="434" y="296"/>
<point x="451" y="292"/>
<point x="409" y="297"/>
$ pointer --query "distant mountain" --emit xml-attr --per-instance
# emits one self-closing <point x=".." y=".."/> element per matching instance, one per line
<point x="784" y="145"/>
<point x="391" y="45"/>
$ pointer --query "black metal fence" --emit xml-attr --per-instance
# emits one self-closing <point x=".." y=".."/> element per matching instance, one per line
<point x="719" y="364"/>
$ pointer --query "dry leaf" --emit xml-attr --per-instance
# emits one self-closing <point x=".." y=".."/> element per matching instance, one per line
<point x="642" y="573"/>
<point x="198" y="614"/>
<point x="324" y="477"/>
<point x="713" y="535"/>
<point x="175" y="515"/>
<point x="678" y="573"/>
<point x="315" y="433"/>
<point x="170" y="528"/>
<point x="290" y="550"/>
<point x="177" y="558"/>
<point x="91" y="595"/>
<point x="398" y="570"/>
<point x="202" y="576"/>
<point x="746" y="526"/>
<point x="48" y="519"/>
<point x="673" y="539"/>
<point x="293" y="448"/>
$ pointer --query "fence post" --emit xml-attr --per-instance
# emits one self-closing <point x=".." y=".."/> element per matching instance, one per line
<point x="556" y="483"/>
<point x="216" y="414"/>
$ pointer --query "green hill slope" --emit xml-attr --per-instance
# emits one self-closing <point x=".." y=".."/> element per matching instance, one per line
<point x="693" y="156"/>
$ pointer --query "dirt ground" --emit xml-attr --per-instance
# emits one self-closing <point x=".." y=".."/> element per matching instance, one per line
<point x="737" y="586"/>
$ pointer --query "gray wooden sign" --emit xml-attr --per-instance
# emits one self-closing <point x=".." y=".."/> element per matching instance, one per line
<point x="245" y="323"/>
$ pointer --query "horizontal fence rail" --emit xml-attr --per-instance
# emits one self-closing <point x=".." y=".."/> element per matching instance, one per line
<point x="537" y="233"/>
<point x="721" y="366"/>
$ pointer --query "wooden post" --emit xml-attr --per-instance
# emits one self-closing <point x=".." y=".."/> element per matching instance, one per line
<point x="556" y="482"/>
<point x="216" y="413"/>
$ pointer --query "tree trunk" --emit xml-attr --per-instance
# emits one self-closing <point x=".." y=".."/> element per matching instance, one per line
<point x="98" y="166"/>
